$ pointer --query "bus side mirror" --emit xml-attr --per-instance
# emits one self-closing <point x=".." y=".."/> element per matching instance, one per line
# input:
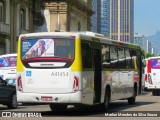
<point x="143" y="63"/>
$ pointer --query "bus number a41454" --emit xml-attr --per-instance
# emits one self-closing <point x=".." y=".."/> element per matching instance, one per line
<point x="61" y="74"/>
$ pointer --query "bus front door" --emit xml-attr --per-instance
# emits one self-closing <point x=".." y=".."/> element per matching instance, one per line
<point x="96" y="54"/>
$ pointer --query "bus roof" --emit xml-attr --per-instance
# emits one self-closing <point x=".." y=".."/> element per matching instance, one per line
<point x="154" y="57"/>
<point x="7" y="55"/>
<point x="84" y="34"/>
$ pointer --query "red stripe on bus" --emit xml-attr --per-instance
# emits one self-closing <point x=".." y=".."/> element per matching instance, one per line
<point x="47" y="59"/>
<point x="120" y="44"/>
<point x="149" y="66"/>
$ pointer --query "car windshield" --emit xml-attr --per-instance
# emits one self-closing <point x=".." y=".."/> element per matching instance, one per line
<point x="11" y="81"/>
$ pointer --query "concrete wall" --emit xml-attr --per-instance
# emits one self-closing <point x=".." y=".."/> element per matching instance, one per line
<point x="63" y="16"/>
<point x="15" y="7"/>
<point x="78" y="16"/>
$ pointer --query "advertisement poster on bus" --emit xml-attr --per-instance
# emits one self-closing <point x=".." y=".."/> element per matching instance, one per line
<point x="155" y="63"/>
<point x="37" y="48"/>
<point x="8" y="61"/>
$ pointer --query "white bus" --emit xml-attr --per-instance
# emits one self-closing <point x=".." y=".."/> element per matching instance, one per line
<point x="67" y="68"/>
<point x="8" y="66"/>
<point x="152" y="76"/>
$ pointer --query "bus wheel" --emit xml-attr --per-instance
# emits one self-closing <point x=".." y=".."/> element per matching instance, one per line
<point x="13" y="102"/>
<point x="106" y="100"/>
<point x="132" y="100"/>
<point x="154" y="93"/>
<point x="58" y="107"/>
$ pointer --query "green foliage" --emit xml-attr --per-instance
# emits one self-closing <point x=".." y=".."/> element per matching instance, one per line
<point x="143" y="52"/>
<point x="149" y="55"/>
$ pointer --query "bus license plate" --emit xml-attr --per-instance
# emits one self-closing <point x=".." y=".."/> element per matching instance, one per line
<point x="46" y="98"/>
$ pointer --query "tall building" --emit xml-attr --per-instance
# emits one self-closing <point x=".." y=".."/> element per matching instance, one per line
<point x="115" y="19"/>
<point x="15" y="19"/>
<point x="101" y="17"/>
<point x="105" y="17"/>
<point x="141" y="40"/>
<point x="121" y="20"/>
<point x="149" y="47"/>
<point x="146" y="45"/>
<point x="96" y="17"/>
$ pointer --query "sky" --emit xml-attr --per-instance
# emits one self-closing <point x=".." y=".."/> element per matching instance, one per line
<point x="146" y="16"/>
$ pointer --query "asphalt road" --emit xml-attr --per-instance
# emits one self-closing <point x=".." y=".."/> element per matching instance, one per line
<point x="120" y="109"/>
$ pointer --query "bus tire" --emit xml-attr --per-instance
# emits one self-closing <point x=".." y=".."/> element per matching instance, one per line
<point x="106" y="100"/>
<point x="132" y="100"/>
<point x="13" y="102"/>
<point x="154" y="93"/>
<point x="58" y="107"/>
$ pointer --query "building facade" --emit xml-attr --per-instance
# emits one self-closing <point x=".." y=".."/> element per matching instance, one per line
<point x="25" y="16"/>
<point x="62" y="15"/>
<point x="105" y="17"/>
<point x="122" y="16"/>
<point x="15" y="19"/>
<point x="101" y="17"/>
<point x="116" y="19"/>
<point x="96" y="17"/>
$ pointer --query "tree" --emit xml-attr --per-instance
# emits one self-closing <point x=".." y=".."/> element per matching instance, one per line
<point x="149" y="55"/>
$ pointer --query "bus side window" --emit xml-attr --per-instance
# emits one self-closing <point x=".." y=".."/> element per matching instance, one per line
<point x="86" y="56"/>
<point x="128" y="59"/>
<point x="105" y="57"/>
<point x="121" y="58"/>
<point x="113" y="57"/>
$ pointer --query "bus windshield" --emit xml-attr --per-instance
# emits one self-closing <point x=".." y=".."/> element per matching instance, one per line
<point x="47" y="47"/>
<point x="155" y="63"/>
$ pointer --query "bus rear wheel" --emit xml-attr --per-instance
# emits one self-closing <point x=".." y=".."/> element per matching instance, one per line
<point x="132" y="100"/>
<point x="58" y="107"/>
<point x="106" y="100"/>
<point x="155" y="92"/>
